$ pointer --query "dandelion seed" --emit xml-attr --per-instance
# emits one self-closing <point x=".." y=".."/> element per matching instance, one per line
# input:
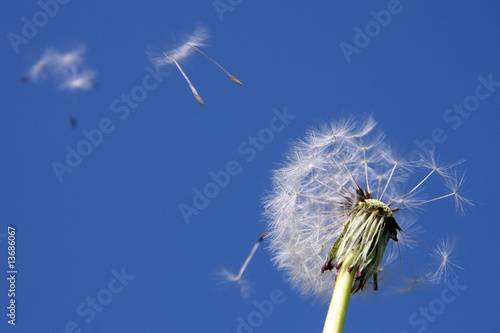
<point x="410" y="285"/>
<point x="224" y="276"/>
<point x="36" y="72"/>
<point x="162" y="58"/>
<point x="194" y="42"/>
<point x="57" y="65"/>
<point x="212" y="60"/>
<point x="334" y="208"/>
<point x="193" y="89"/>
<point x="84" y="80"/>
<point x="444" y="254"/>
<point x="66" y="69"/>
<point x="68" y="64"/>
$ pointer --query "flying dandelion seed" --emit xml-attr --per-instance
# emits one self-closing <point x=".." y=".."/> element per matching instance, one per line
<point x="216" y="63"/>
<point x="59" y="66"/>
<point x="68" y="64"/>
<point x="66" y="69"/>
<point x="444" y="255"/>
<point x="224" y="276"/>
<point x="36" y="71"/>
<point x="83" y="80"/>
<point x="319" y="214"/>
<point x="194" y="43"/>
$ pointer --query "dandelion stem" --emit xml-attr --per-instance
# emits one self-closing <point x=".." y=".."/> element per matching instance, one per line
<point x="340" y="298"/>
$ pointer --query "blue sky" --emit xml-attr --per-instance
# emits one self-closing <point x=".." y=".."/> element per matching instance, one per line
<point x="112" y="229"/>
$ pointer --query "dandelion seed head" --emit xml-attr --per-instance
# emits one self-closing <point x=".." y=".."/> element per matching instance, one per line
<point x="339" y="191"/>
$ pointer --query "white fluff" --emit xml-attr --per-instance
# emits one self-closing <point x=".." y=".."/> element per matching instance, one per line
<point x="65" y="68"/>
<point x="313" y="193"/>
<point x="163" y="57"/>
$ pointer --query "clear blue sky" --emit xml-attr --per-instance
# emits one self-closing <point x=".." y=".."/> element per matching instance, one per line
<point x="117" y="212"/>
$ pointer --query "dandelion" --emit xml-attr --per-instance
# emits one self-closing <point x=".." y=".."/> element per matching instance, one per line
<point x="194" y="43"/>
<point x="224" y="276"/>
<point x="334" y="207"/>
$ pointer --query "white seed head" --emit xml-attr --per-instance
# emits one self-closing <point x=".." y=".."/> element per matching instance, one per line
<point x="339" y="191"/>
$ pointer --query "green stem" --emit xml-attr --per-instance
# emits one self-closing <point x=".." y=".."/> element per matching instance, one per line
<point x="340" y="298"/>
